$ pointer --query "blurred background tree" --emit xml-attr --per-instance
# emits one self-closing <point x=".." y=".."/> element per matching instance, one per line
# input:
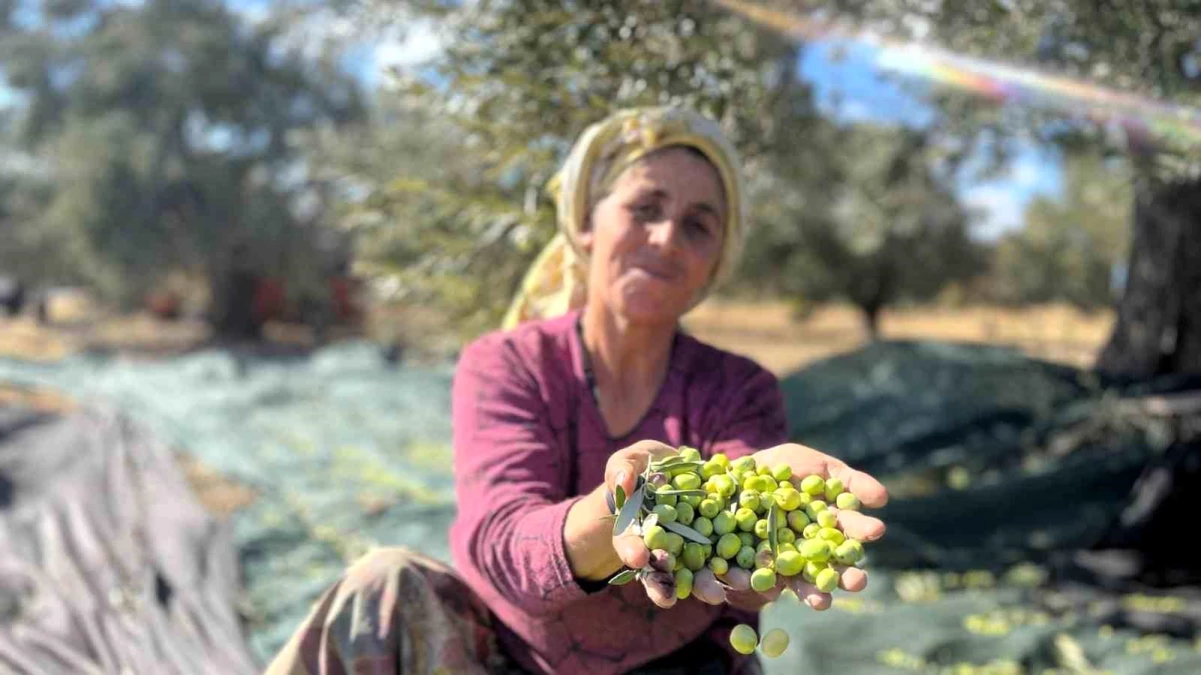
<point x="1072" y="249"/>
<point x="162" y="134"/>
<point x="1148" y="48"/>
<point x="887" y="227"/>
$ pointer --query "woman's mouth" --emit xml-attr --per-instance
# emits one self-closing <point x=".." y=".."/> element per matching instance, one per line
<point x="659" y="272"/>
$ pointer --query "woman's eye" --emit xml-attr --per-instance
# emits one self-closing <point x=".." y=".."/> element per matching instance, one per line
<point x="698" y="227"/>
<point x="646" y="211"/>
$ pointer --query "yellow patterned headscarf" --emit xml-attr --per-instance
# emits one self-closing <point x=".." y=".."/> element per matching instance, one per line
<point x="557" y="281"/>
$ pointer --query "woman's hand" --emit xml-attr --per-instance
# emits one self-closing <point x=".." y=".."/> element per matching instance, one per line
<point x="624" y="468"/>
<point x="734" y="587"/>
<point x="805" y="461"/>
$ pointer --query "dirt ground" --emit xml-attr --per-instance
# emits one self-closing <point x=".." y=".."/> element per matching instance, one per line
<point x="767" y="332"/>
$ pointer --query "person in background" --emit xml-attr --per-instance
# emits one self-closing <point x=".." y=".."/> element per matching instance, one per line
<point x="589" y="378"/>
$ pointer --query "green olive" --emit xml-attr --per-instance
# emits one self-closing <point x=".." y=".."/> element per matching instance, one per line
<point x="745" y="463"/>
<point x="655" y="537"/>
<point x="787" y="498"/>
<point x="849" y="552"/>
<point x="687" y="481"/>
<point x="685" y="513"/>
<point x="709" y="508"/>
<point x="746" y="519"/>
<point x="745" y="557"/>
<point x="834" y="487"/>
<point x="743" y="639"/>
<point x="763" y="579"/>
<point x="723" y="523"/>
<point x="827" y="518"/>
<point x="816" y="550"/>
<point x="761" y="529"/>
<point x="826" y="580"/>
<point x="775" y="643"/>
<point x="789" y="563"/>
<point x="797" y="520"/>
<point x="684" y="580"/>
<point x="675" y="544"/>
<point x="666" y="513"/>
<point x="847" y="502"/>
<point x="728" y="546"/>
<point x="832" y="535"/>
<point x="749" y="499"/>
<point x="813" y="485"/>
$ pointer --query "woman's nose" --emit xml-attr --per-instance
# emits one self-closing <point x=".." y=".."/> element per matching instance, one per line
<point x="666" y="232"/>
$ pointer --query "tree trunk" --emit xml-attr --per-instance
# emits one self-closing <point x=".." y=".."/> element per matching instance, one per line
<point x="233" y="286"/>
<point x="871" y="321"/>
<point x="1158" y="327"/>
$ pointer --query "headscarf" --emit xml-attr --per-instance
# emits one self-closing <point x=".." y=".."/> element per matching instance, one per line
<point x="557" y="281"/>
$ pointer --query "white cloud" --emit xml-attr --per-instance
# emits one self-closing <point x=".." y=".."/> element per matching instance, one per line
<point x="1030" y="172"/>
<point x="419" y="43"/>
<point x="999" y="207"/>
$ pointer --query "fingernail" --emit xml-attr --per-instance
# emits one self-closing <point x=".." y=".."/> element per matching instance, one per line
<point x="621" y="478"/>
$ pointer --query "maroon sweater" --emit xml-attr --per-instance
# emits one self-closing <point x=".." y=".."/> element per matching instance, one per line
<point x="529" y="439"/>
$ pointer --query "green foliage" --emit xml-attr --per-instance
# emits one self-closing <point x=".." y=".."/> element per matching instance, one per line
<point x="1069" y="247"/>
<point x="884" y="227"/>
<point x="165" y="132"/>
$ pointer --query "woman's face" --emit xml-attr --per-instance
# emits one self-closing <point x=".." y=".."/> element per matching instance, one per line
<point x="656" y="238"/>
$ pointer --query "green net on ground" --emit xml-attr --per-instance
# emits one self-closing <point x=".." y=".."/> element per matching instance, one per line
<point x="345" y="450"/>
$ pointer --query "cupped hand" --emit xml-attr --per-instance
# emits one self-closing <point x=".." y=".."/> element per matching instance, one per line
<point x="805" y="461"/>
<point x="623" y="468"/>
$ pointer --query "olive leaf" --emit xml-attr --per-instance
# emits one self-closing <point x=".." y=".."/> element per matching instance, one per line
<point x="681" y="493"/>
<point x="773" y="517"/>
<point x="629" y="511"/>
<point x="623" y="577"/>
<point x="620" y="496"/>
<point x="687" y="533"/>
<point x="682" y="466"/>
<point x="668" y="462"/>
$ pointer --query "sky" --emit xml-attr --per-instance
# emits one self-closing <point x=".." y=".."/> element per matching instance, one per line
<point x="847" y="82"/>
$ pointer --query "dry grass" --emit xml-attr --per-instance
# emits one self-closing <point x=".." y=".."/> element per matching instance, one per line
<point x="765" y="331"/>
<point x="768" y="332"/>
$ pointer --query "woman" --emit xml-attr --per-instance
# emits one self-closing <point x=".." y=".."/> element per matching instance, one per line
<point x="590" y="379"/>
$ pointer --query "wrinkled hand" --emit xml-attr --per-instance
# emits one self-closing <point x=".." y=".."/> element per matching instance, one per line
<point x="624" y="468"/>
<point x="805" y="461"/>
<point x="734" y="587"/>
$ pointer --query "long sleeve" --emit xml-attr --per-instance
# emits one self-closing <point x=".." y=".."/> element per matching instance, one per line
<point x="511" y="483"/>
